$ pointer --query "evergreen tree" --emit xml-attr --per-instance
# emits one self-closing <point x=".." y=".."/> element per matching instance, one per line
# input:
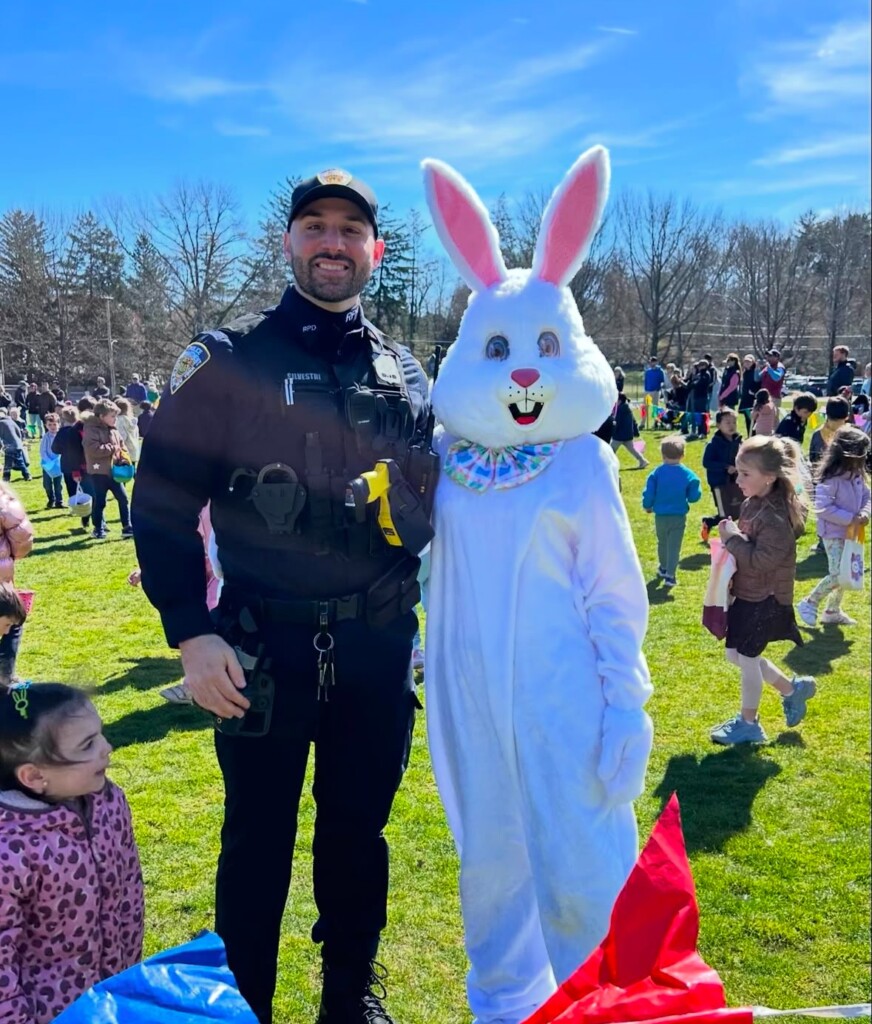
<point x="153" y="346"/>
<point x="25" y="292"/>
<point x="385" y="297"/>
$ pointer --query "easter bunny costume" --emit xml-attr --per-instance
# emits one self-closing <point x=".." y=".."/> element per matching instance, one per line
<point x="535" y="673"/>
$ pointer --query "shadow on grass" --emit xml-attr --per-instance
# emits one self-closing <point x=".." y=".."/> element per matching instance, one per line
<point x="736" y="774"/>
<point x="152" y="724"/>
<point x="144" y="674"/>
<point x="814" y="567"/>
<point x="702" y="560"/>
<point x="825" y="646"/>
<point x="657" y="593"/>
<point x="50" y="547"/>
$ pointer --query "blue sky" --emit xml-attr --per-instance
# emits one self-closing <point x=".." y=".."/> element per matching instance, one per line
<point x="759" y="107"/>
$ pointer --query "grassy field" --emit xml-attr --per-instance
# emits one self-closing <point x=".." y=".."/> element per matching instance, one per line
<point x="778" y="836"/>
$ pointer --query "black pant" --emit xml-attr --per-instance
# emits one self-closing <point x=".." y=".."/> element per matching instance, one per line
<point x="9" y="645"/>
<point x="103" y="485"/>
<point x="362" y="737"/>
<point x="15" y="458"/>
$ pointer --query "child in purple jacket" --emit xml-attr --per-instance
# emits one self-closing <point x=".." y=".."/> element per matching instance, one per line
<point x="842" y="503"/>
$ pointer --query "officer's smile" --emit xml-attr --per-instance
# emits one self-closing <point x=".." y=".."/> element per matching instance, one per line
<point x="328" y="265"/>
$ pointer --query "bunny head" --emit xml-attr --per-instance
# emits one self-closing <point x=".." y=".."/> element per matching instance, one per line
<point x="522" y="370"/>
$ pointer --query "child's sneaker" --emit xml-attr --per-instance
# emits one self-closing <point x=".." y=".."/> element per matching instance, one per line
<point x="807" y="611"/>
<point x="670" y="582"/>
<point x="99" y="534"/>
<point x="737" y="730"/>
<point x="794" y="704"/>
<point x="836" y="617"/>
<point x="662" y="573"/>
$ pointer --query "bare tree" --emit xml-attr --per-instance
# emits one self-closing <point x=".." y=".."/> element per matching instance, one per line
<point x="772" y="288"/>
<point x="676" y="255"/>
<point x="198" y="236"/>
<point x="840" y="262"/>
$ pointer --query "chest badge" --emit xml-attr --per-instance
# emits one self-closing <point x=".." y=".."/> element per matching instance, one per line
<point x="386" y="370"/>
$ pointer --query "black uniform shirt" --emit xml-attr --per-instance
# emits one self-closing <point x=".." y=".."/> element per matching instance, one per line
<point x="243" y="398"/>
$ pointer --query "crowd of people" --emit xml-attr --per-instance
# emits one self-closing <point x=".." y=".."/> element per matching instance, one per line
<point x="89" y="447"/>
<point x="689" y="398"/>
<point x="64" y="827"/>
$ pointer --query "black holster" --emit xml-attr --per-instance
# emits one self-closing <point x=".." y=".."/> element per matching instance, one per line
<point x="393" y="594"/>
<point x="241" y="632"/>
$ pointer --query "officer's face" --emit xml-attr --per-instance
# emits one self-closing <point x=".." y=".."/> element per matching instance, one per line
<point x="332" y="250"/>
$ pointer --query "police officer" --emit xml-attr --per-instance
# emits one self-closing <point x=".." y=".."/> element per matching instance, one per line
<point x="269" y="418"/>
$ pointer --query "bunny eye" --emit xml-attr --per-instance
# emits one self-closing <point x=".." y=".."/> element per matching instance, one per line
<point x="497" y="347"/>
<point x="549" y="346"/>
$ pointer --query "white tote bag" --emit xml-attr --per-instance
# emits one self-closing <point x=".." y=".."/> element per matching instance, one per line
<point x="851" y="575"/>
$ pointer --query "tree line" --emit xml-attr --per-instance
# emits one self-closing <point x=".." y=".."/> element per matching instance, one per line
<point x="663" y="277"/>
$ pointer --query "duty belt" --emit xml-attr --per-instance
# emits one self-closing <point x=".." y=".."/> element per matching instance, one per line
<point x="297" y="612"/>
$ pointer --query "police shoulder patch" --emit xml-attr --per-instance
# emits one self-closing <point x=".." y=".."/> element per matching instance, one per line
<point x="195" y="356"/>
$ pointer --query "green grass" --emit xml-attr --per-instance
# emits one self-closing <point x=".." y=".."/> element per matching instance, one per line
<point x="778" y="837"/>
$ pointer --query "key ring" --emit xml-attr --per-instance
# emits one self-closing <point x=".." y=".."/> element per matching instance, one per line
<point x="327" y="636"/>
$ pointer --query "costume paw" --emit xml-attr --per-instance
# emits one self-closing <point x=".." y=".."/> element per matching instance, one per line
<point x="626" y="744"/>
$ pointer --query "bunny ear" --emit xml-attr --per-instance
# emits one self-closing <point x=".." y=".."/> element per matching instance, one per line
<point x="464" y="226"/>
<point x="572" y="217"/>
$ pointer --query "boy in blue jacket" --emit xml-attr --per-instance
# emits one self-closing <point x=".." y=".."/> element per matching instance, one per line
<point x="669" y="492"/>
<point x="719" y="462"/>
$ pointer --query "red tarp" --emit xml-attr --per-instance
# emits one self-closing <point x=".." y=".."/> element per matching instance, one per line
<point x="647" y="967"/>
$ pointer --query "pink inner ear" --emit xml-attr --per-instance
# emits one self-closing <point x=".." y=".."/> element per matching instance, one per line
<point x="470" y="236"/>
<point x="570" y="225"/>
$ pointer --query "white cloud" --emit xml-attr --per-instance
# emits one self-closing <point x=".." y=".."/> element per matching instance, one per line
<point x="807" y="182"/>
<point x="234" y="129"/>
<point x="452" y="105"/>
<point x="617" y="30"/>
<point x="824" y="149"/>
<point x="820" y="73"/>
<point x="190" y="88"/>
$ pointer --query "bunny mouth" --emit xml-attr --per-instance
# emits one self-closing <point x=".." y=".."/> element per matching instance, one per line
<point x="528" y="414"/>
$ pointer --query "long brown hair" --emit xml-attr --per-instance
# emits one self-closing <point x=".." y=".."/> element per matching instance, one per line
<point x="781" y="457"/>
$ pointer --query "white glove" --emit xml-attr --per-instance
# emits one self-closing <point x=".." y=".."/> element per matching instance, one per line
<point x="626" y="744"/>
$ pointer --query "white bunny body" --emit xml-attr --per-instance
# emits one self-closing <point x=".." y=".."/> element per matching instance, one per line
<point x="537" y="613"/>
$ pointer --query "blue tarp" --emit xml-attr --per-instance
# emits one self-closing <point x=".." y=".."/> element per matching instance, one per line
<point x="189" y="984"/>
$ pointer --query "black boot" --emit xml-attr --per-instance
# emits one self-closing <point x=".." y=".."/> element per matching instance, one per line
<point x="353" y="995"/>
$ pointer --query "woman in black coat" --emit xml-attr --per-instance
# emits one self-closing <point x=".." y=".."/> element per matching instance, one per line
<point x="750" y="387"/>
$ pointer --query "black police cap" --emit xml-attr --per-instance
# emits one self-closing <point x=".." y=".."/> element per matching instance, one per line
<point x="335" y="184"/>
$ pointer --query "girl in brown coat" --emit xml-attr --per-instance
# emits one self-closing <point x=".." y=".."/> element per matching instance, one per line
<point x="102" y="444"/>
<point x="764" y="546"/>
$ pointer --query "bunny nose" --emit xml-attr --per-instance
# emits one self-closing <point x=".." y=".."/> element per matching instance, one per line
<point x="525" y="377"/>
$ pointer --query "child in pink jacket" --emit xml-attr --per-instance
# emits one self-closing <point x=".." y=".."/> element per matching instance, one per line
<point x="16" y="541"/>
<point x="71" y="902"/>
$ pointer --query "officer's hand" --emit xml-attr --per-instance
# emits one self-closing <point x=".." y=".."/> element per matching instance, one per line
<point x="213" y="675"/>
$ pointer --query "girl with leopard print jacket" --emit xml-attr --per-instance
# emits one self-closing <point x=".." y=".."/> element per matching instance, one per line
<point x="71" y="902"/>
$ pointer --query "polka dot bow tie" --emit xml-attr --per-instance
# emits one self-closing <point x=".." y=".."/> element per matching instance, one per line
<point x="478" y="468"/>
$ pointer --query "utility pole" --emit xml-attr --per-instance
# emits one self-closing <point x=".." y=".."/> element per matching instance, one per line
<point x="112" y="388"/>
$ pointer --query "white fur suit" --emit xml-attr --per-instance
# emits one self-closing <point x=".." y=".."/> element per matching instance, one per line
<point x="535" y="676"/>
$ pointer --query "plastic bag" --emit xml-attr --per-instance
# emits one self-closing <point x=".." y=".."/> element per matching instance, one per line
<point x="647" y="967"/>
<point x="716" y="603"/>
<point x="188" y="984"/>
<point x="52" y="466"/>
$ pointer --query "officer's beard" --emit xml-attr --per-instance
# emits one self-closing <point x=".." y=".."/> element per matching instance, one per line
<point x="318" y="286"/>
